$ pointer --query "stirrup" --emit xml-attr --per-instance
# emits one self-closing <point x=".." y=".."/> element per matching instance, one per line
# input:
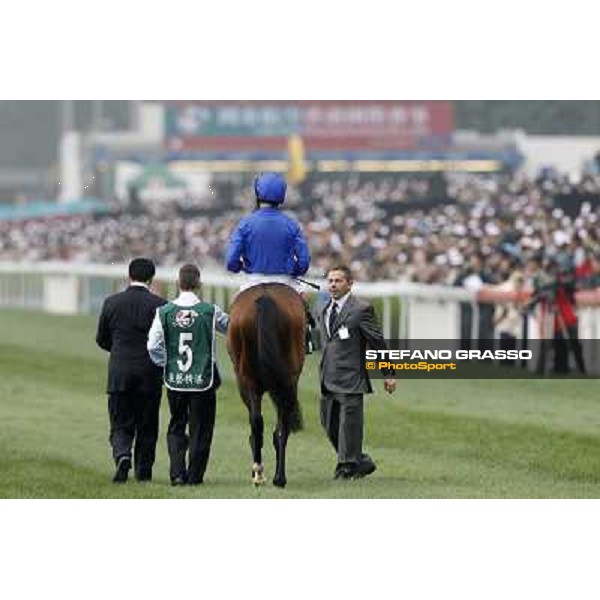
<point x="308" y="343"/>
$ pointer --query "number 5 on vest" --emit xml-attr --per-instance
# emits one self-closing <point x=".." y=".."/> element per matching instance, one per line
<point x="184" y="338"/>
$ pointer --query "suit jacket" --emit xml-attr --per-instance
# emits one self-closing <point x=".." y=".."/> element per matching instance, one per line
<point x="342" y="366"/>
<point x="123" y="328"/>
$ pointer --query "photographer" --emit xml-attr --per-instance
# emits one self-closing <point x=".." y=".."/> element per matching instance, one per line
<point x="554" y="290"/>
<point x="566" y="324"/>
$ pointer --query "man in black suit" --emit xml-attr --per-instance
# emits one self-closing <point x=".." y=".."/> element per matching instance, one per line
<point x="134" y="382"/>
<point x="348" y="326"/>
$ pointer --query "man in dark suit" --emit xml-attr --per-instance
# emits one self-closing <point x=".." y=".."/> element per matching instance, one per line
<point x="134" y="382"/>
<point x="348" y="325"/>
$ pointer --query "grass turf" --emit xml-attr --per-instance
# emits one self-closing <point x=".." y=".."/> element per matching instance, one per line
<point x="432" y="439"/>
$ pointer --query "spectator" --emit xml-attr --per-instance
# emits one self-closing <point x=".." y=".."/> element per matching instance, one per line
<point x="387" y="228"/>
<point x="508" y="318"/>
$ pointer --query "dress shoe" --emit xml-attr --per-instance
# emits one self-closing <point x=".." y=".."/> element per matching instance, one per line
<point x="344" y="475"/>
<point x="178" y="481"/>
<point x="365" y="467"/>
<point x="344" y="472"/>
<point x="122" y="472"/>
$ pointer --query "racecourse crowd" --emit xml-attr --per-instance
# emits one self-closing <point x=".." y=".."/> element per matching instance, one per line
<point x="385" y="228"/>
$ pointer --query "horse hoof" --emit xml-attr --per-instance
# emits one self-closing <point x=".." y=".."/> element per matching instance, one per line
<point x="280" y="483"/>
<point x="258" y="474"/>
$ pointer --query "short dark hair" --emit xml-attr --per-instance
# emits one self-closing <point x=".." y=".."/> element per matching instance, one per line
<point x="189" y="277"/>
<point x="344" y="269"/>
<point x="141" y="269"/>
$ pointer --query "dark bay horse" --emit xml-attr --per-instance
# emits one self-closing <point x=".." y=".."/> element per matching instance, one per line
<point x="266" y="345"/>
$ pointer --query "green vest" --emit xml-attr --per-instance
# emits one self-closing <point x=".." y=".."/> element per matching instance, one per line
<point x="189" y="342"/>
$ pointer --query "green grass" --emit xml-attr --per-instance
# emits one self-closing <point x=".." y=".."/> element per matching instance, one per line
<point x="432" y="439"/>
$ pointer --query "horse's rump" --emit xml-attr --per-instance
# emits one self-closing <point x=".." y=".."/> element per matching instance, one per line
<point x="266" y="344"/>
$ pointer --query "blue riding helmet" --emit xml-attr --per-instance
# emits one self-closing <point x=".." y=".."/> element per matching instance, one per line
<point x="270" y="187"/>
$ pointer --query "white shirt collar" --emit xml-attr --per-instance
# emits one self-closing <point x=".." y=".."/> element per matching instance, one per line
<point x="340" y="302"/>
<point x="138" y="284"/>
<point x="186" y="299"/>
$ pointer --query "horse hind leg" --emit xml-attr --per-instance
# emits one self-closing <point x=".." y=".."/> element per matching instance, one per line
<point x="280" y="439"/>
<point x="289" y="419"/>
<point x="256" y="442"/>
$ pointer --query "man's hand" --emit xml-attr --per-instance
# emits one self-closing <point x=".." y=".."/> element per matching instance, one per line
<point x="389" y="385"/>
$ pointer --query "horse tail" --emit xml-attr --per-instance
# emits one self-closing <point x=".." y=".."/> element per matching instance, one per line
<point x="273" y="371"/>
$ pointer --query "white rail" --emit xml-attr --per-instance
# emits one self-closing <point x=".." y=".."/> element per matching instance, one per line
<point x="407" y="310"/>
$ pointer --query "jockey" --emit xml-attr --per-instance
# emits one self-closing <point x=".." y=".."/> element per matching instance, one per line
<point x="268" y="245"/>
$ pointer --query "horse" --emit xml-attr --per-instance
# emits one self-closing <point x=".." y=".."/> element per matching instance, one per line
<point x="266" y="344"/>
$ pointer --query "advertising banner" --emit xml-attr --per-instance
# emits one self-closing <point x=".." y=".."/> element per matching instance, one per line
<point x="323" y="125"/>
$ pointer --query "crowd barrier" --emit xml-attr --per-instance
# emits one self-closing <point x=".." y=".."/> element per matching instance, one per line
<point x="406" y="310"/>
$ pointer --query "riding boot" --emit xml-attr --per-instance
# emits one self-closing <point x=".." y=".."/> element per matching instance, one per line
<point x="310" y="324"/>
<point x="308" y="342"/>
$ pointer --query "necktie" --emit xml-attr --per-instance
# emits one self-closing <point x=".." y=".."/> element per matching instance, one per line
<point x="332" y="317"/>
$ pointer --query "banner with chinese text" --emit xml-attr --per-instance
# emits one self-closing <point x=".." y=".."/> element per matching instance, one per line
<point x="323" y="125"/>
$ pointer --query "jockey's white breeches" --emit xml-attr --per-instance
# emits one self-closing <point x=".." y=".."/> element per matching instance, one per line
<point x="251" y="279"/>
